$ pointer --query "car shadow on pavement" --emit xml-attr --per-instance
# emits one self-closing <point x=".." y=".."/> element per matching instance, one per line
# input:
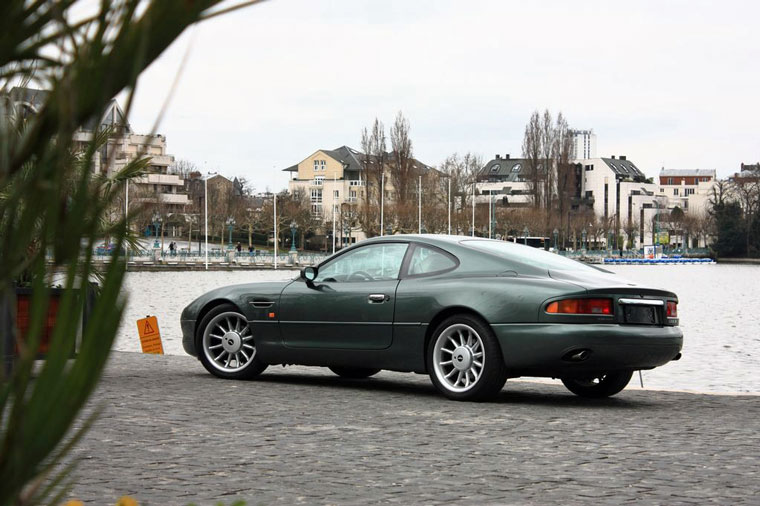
<point x="515" y="393"/>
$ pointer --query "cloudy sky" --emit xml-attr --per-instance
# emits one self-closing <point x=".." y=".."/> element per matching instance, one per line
<point x="667" y="83"/>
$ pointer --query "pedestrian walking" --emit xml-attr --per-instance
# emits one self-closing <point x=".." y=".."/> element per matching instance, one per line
<point x="239" y="247"/>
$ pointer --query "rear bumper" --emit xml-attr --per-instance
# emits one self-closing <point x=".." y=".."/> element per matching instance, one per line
<point x="542" y="349"/>
<point x="188" y="336"/>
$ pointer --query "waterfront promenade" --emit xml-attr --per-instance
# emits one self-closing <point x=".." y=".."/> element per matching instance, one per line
<point x="170" y="433"/>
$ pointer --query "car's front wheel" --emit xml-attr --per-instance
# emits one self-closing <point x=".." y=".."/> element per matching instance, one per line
<point x="464" y="359"/>
<point x="599" y="385"/>
<point x="354" y="372"/>
<point x="226" y="345"/>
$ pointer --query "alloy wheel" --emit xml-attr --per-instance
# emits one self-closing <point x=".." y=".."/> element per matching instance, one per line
<point x="458" y="357"/>
<point x="228" y="342"/>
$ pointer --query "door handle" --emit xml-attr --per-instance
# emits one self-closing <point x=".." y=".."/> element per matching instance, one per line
<point x="377" y="298"/>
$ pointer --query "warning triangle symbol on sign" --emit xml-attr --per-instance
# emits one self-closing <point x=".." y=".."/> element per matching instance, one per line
<point x="148" y="328"/>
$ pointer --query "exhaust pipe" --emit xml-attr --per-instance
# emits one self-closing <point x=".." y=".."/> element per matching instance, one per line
<point x="577" y="356"/>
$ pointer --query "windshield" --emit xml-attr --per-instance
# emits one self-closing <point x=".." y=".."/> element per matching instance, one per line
<point x="527" y="255"/>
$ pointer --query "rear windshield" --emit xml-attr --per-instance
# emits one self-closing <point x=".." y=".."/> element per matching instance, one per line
<point x="527" y="255"/>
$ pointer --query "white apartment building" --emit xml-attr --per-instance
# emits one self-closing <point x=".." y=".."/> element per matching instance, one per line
<point x="688" y="189"/>
<point x="583" y="144"/>
<point x="503" y="180"/>
<point x="122" y="146"/>
<point x="620" y="193"/>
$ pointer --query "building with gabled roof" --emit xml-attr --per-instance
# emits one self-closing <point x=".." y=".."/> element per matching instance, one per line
<point x="336" y="179"/>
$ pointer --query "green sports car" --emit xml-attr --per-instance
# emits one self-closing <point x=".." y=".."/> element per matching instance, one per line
<point x="469" y="312"/>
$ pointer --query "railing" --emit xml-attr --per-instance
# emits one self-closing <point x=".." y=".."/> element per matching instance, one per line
<point x="356" y="182"/>
<point x="216" y="258"/>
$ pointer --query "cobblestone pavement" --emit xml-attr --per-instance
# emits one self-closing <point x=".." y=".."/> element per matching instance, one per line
<point x="172" y="434"/>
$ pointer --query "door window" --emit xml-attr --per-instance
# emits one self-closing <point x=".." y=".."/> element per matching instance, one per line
<point x="429" y="261"/>
<point x="376" y="262"/>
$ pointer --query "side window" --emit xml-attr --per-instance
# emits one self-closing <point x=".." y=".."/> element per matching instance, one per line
<point x="429" y="261"/>
<point x="375" y="262"/>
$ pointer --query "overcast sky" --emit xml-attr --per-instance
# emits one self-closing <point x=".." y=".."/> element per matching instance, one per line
<point x="671" y="84"/>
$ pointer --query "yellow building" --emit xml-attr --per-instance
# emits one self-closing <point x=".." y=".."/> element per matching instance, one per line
<point x="336" y="183"/>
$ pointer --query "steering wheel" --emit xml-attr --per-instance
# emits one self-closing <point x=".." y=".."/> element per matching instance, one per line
<point x="361" y="275"/>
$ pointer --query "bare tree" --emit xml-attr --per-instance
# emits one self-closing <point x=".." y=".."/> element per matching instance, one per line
<point x="461" y="172"/>
<point x="547" y="148"/>
<point x="402" y="160"/>
<point x="531" y="152"/>
<point x="375" y="161"/>
<point x="566" y="176"/>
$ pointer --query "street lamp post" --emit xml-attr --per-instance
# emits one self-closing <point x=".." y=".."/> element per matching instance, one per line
<point x="156" y="223"/>
<point x="230" y="226"/>
<point x="293" y="228"/>
<point x="205" y="210"/>
<point x="584" y="244"/>
<point x="525" y="235"/>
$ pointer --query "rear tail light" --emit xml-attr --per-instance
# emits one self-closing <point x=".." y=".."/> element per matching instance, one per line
<point x="672" y="309"/>
<point x="581" y="306"/>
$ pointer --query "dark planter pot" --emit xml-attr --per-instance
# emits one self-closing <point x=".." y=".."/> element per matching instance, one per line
<point x="15" y="313"/>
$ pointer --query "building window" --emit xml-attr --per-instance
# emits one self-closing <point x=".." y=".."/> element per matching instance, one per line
<point x="336" y="194"/>
<point x="670" y="180"/>
<point x="688" y="191"/>
<point x="319" y="164"/>
<point x="675" y="191"/>
<point x="316" y="196"/>
<point x="316" y="209"/>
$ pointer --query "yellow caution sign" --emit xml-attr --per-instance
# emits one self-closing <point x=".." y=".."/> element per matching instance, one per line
<point x="150" y="337"/>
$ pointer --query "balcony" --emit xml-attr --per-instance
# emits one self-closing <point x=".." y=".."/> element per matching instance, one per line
<point x="356" y="182"/>
<point x="317" y="182"/>
<point x="162" y="160"/>
<point x="174" y="198"/>
<point x="170" y="179"/>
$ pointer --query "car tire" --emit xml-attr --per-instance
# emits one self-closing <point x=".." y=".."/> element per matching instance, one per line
<point x="226" y="345"/>
<point x="464" y="359"/>
<point x="354" y="372"/>
<point x="599" y="386"/>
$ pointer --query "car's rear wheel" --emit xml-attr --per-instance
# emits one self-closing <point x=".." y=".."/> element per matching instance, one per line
<point x="354" y="372"/>
<point x="464" y="359"/>
<point x="598" y="386"/>
<point x="226" y="345"/>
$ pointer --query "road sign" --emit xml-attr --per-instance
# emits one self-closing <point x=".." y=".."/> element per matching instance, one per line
<point x="150" y="337"/>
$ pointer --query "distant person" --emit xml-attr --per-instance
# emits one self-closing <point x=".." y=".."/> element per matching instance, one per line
<point x="239" y="247"/>
<point x="171" y="248"/>
<point x="250" y="249"/>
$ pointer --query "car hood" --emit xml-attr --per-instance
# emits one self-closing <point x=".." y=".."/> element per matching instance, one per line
<point x="604" y="281"/>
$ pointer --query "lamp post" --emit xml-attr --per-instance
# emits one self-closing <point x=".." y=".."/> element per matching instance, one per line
<point x="525" y="235"/>
<point x="230" y="224"/>
<point x="584" y="245"/>
<point x="555" y="233"/>
<point x="293" y="228"/>
<point x="156" y="223"/>
<point x="205" y="210"/>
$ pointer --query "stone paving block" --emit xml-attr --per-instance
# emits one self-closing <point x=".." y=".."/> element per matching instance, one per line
<point x="172" y="434"/>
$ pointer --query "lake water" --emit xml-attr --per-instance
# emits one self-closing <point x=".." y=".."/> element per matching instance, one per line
<point x="719" y="310"/>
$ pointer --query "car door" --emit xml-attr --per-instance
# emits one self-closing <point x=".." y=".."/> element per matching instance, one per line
<point x="350" y="304"/>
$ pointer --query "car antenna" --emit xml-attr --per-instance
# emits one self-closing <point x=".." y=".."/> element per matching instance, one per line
<point x="641" y="379"/>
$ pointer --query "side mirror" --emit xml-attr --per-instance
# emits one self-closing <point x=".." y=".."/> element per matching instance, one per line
<point x="309" y="274"/>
